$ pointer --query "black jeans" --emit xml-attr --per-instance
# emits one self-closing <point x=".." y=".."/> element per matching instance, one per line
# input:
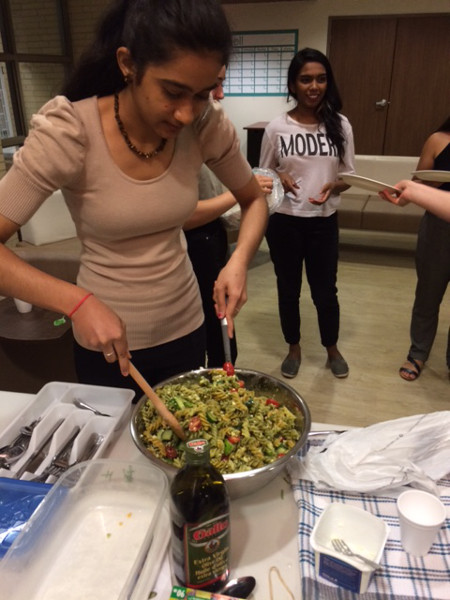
<point x="208" y="250"/>
<point x="433" y="277"/>
<point x="314" y="241"/>
<point x="155" y="364"/>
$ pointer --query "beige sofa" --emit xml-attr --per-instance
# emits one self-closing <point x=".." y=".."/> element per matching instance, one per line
<point x="363" y="210"/>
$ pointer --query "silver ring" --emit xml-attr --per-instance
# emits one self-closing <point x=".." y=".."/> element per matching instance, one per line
<point x="109" y="354"/>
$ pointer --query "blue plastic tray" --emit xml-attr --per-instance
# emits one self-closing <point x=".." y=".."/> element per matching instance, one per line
<point x="18" y="501"/>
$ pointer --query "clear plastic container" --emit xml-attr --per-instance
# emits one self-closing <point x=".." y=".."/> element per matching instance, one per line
<point x="100" y="533"/>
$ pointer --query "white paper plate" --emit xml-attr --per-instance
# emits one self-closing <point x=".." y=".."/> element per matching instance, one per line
<point x="431" y="175"/>
<point x="367" y="184"/>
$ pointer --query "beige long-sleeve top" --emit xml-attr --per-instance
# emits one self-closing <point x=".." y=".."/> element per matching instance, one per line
<point x="133" y="248"/>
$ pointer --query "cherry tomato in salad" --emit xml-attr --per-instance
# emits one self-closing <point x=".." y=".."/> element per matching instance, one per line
<point x="228" y="368"/>
<point x="195" y="424"/>
<point x="171" y="452"/>
<point x="272" y="402"/>
<point x="233" y="439"/>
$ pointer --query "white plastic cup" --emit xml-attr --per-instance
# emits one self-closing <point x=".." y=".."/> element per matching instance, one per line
<point x="421" y="516"/>
<point x="22" y="306"/>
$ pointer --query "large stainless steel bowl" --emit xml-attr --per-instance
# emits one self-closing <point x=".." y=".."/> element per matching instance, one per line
<point x="240" y="484"/>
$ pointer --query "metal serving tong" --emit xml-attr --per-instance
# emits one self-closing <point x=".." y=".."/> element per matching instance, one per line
<point x="226" y="339"/>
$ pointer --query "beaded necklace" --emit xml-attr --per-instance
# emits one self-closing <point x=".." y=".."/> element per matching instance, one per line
<point x="129" y="143"/>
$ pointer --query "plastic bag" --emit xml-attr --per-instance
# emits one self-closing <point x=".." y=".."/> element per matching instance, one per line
<point x="232" y="218"/>
<point x="408" y="451"/>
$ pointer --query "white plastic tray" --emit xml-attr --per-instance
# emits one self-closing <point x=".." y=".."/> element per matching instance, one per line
<point x="54" y="402"/>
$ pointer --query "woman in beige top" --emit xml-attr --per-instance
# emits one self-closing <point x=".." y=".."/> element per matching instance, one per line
<point x="125" y="144"/>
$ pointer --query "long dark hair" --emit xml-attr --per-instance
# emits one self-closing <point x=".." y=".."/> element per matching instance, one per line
<point x="152" y="30"/>
<point x="328" y="110"/>
<point x="445" y="126"/>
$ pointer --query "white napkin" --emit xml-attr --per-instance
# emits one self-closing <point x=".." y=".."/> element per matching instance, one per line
<point x="408" y="451"/>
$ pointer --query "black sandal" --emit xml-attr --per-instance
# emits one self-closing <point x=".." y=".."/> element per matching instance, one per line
<point x="415" y="374"/>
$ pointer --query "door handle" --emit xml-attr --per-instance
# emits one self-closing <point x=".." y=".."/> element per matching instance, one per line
<point x="382" y="103"/>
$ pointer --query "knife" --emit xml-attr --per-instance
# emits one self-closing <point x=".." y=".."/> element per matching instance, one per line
<point x="40" y="452"/>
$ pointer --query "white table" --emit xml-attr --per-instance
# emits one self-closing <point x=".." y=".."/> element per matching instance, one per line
<point x="264" y="524"/>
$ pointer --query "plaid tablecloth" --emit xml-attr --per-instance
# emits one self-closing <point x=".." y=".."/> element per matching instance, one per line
<point x="402" y="576"/>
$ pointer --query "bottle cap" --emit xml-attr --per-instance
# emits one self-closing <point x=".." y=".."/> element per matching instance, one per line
<point x="197" y="451"/>
<point x="197" y="446"/>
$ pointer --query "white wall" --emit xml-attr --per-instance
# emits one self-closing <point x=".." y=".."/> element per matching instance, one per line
<point x="310" y="17"/>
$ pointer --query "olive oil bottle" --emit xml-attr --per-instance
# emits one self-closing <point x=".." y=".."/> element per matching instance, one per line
<point x="200" y="519"/>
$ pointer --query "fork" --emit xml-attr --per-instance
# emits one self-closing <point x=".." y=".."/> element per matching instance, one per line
<point x="60" y="462"/>
<point x="11" y="453"/>
<point x="24" y="434"/>
<point x="341" y="546"/>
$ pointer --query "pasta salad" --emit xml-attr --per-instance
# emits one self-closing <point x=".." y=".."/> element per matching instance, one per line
<point x="245" y="429"/>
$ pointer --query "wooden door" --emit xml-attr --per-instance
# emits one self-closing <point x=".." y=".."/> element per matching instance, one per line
<point x="361" y="53"/>
<point x="394" y="78"/>
<point x="420" y="90"/>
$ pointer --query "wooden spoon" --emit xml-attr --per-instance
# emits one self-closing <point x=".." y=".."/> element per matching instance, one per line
<point x="159" y="405"/>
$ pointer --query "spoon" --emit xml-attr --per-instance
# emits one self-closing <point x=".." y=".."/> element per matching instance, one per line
<point x="240" y="587"/>
<point x="11" y="455"/>
<point x="159" y="405"/>
<point x="80" y="404"/>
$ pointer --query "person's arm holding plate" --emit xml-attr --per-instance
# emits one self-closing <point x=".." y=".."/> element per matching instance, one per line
<point x="427" y="196"/>
<point x="431" y="199"/>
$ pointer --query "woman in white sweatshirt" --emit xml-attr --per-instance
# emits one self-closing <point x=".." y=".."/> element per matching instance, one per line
<point x="309" y="146"/>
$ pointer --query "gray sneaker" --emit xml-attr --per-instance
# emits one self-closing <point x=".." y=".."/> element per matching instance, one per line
<point x="290" y="367"/>
<point x="339" y="367"/>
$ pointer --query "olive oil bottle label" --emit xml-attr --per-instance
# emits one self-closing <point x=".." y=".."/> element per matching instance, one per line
<point x="207" y="547"/>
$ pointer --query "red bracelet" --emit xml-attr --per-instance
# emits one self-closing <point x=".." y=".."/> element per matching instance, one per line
<point x="77" y="306"/>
